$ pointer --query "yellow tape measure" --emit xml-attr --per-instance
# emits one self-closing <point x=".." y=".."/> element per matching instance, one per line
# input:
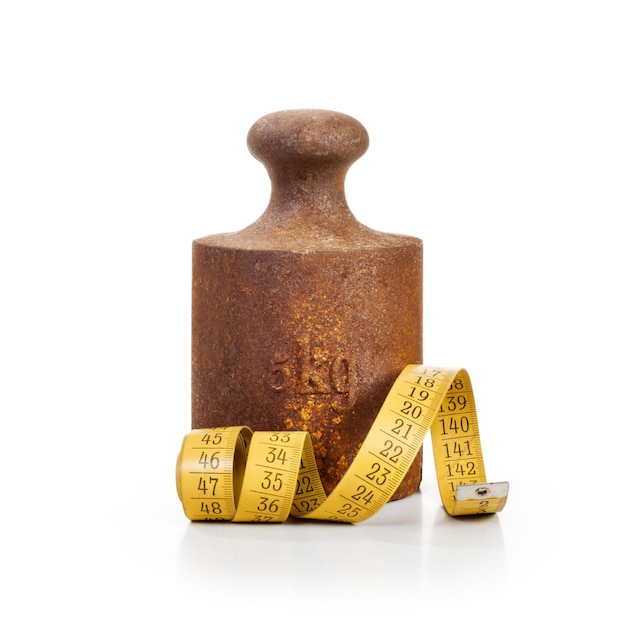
<point x="231" y="473"/>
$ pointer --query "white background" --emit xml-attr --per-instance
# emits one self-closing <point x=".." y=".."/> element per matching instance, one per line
<point x="497" y="136"/>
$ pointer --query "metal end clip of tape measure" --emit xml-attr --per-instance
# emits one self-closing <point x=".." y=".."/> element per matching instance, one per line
<point x="231" y="473"/>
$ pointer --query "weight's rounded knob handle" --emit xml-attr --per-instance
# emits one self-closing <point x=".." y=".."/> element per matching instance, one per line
<point x="307" y="153"/>
<point x="313" y="136"/>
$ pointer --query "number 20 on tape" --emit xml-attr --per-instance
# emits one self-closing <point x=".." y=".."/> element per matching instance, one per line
<point x="232" y="473"/>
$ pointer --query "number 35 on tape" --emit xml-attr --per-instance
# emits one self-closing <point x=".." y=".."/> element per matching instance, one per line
<point x="232" y="473"/>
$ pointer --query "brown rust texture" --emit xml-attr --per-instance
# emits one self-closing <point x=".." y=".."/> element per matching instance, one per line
<point x="303" y="320"/>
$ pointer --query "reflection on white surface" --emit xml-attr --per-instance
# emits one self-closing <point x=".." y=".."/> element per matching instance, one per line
<point x="141" y="560"/>
<point x="406" y="552"/>
<point x="325" y="556"/>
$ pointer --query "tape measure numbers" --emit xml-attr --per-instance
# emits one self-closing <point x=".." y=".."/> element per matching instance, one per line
<point x="231" y="473"/>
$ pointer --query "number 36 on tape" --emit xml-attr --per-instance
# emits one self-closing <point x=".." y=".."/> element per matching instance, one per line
<point x="231" y="473"/>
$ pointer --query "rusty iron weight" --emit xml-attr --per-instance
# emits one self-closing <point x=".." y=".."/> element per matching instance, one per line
<point x="304" y="319"/>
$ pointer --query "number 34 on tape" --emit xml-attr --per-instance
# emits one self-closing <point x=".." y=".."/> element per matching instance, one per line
<point x="231" y="473"/>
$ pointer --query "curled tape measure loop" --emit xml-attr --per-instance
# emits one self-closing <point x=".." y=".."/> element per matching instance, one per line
<point x="231" y="473"/>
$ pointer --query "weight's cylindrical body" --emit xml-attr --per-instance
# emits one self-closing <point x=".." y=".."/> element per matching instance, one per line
<point x="304" y="319"/>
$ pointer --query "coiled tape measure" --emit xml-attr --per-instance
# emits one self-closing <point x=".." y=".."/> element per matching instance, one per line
<point x="232" y="473"/>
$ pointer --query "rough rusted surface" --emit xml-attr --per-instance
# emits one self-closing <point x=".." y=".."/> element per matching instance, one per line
<point x="303" y="320"/>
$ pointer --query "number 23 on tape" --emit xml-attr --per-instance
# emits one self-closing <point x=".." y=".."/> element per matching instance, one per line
<point x="232" y="473"/>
